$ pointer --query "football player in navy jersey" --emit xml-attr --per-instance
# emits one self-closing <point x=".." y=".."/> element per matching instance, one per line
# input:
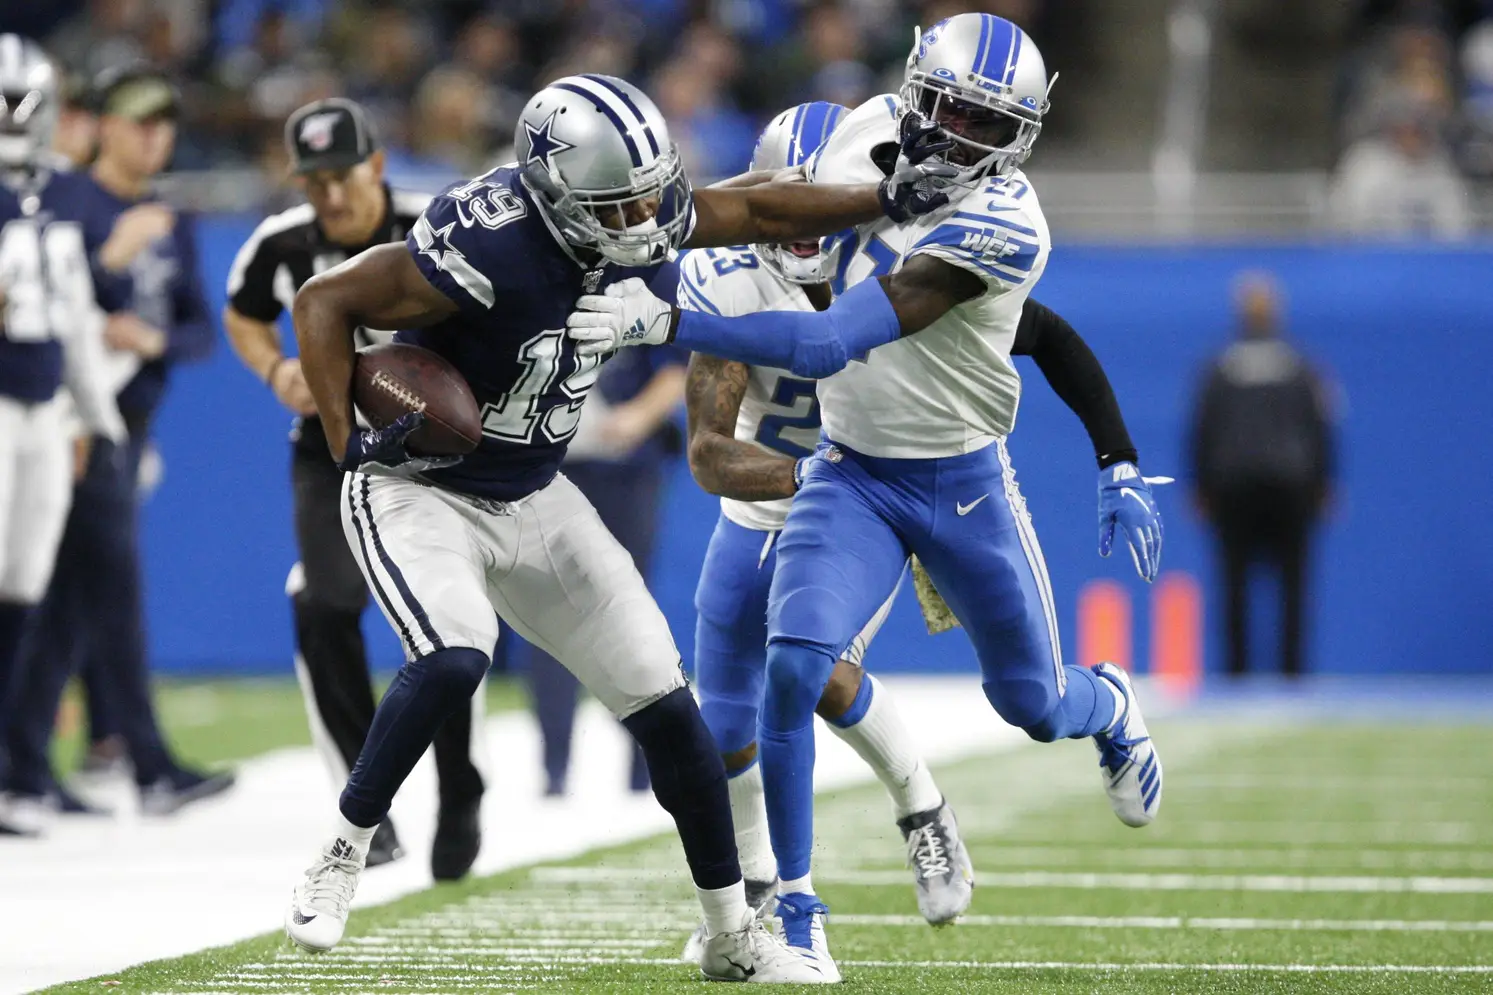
<point x="486" y="278"/>
<point x="50" y="338"/>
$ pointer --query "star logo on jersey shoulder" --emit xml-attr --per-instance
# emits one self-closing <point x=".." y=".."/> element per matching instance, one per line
<point x="435" y="245"/>
<point x="543" y="143"/>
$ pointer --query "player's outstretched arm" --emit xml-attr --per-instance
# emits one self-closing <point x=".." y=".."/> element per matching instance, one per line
<point x="723" y="466"/>
<point x="811" y="344"/>
<point x="744" y="210"/>
<point x="380" y="288"/>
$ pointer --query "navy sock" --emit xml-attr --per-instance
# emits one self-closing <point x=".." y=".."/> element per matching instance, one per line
<point x="424" y="694"/>
<point x="689" y="781"/>
<point x="13" y="618"/>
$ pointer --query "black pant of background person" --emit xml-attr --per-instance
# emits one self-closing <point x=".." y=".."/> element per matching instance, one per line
<point x="626" y="497"/>
<point x="327" y="600"/>
<point x="1270" y="524"/>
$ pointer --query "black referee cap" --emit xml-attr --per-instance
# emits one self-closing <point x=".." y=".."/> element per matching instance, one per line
<point x="329" y="134"/>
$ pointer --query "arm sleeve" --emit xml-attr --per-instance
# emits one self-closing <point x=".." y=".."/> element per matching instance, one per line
<point x="190" y="336"/>
<point x="1076" y="376"/>
<point x="810" y="344"/>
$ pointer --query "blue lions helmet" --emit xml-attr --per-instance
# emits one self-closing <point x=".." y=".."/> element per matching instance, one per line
<point x="982" y="80"/>
<point x="788" y="141"/>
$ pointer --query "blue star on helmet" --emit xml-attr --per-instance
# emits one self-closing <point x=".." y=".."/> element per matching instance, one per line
<point x="542" y="143"/>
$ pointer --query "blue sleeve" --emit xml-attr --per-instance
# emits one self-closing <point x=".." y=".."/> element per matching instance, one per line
<point x="190" y="336"/>
<point x="466" y="242"/>
<point x="811" y="344"/>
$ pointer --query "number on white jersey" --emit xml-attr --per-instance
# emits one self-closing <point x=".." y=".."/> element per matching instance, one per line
<point x="39" y="270"/>
<point x="787" y="393"/>
<point x="515" y="416"/>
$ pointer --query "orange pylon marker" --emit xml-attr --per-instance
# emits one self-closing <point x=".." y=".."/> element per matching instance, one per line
<point x="1104" y="624"/>
<point x="1177" y="632"/>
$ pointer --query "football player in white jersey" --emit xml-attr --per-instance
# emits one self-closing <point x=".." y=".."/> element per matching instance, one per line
<point x="748" y="428"/>
<point x="914" y="457"/>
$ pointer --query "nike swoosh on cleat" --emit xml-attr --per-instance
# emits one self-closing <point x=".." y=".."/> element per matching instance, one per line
<point x="299" y="919"/>
<point x="746" y="972"/>
<point x="965" y="509"/>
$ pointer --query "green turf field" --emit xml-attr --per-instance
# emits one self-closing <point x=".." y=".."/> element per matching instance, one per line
<point x="1288" y="858"/>
<point x="214" y="722"/>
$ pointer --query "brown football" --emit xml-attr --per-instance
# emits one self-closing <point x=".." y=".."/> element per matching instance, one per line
<point x="394" y="379"/>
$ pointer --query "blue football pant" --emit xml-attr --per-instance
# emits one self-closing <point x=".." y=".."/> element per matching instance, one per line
<point x="851" y="529"/>
<point x="731" y="630"/>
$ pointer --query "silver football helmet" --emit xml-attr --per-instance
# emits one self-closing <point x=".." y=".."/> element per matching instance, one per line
<point x="595" y="153"/>
<point x="28" y="100"/>
<point x="787" y="141"/>
<point x="984" y="82"/>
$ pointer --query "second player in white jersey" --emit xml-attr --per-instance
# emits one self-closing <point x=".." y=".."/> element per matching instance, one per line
<point x="779" y="412"/>
<point x="952" y="388"/>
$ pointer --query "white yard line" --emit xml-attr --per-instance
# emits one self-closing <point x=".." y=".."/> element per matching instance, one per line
<point x="95" y="897"/>
<point x="1210" y="857"/>
<point x="1182" y="922"/>
<point x="1036" y="965"/>
<point x="1128" y="882"/>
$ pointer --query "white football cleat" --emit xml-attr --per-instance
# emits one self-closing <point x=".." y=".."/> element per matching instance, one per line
<point x="1127" y="758"/>
<point x="752" y="954"/>
<point x="759" y="896"/>
<point x="318" y="906"/>
<point x="801" y="924"/>
<point x="942" y="874"/>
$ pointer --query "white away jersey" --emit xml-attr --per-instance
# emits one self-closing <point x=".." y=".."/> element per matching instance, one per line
<point x="951" y="388"/>
<point x="779" y="411"/>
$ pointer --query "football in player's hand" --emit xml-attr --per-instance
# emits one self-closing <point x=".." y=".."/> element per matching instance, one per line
<point x="394" y="379"/>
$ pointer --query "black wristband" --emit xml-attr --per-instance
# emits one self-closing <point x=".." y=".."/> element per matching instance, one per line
<point x="1107" y="460"/>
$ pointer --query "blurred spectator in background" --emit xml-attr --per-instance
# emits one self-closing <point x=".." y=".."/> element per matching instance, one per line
<point x="1402" y="180"/>
<point x="617" y="458"/>
<point x="1262" y="462"/>
<point x="714" y="136"/>
<point x="77" y="129"/>
<point x="147" y="281"/>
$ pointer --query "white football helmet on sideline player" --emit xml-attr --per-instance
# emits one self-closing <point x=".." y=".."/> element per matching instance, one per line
<point x="788" y="141"/>
<point x="598" y="160"/>
<point x="983" y="81"/>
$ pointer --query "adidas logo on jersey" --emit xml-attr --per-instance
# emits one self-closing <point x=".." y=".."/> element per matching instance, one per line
<point x="988" y="243"/>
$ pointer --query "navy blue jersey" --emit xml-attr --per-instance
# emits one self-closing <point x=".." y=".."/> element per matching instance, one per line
<point x="485" y="245"/>
<point x="162" y="286"/>
<point x="39" y="245"/>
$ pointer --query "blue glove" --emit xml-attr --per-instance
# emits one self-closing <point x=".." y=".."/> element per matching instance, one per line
<point x="1125" y="500"/>
<point x="381" y="450"/>
<point x="913" y="189"/>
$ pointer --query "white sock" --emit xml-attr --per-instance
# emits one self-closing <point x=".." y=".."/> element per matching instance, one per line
<point x="356" y="835"/>
<point x="749" y="815"/>
<point x="798" y="886"/>
<point x="884" y="743"/>
<point x="725" y="908"/>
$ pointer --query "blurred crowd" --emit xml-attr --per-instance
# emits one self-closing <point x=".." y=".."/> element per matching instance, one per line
<point x="1415" y="115"/>
<point x="446" y="79"/>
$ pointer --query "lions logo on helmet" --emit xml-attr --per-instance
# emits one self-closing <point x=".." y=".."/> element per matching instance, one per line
<point x="597" y="158"/>
<point x="983" y="81"/>
<point x="787" y="141"/>
<point x="28" y="100"/>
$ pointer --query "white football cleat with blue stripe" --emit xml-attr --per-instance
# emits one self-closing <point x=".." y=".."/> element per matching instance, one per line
<point x="801" y="924"/>
<point x="1127" y="757"/>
